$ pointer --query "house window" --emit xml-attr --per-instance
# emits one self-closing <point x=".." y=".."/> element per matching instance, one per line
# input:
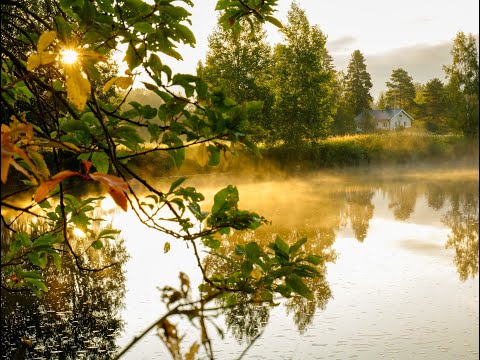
<point x="405" y="123"/>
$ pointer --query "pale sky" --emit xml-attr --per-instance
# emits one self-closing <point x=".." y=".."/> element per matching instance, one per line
<point x="413" y="34"/>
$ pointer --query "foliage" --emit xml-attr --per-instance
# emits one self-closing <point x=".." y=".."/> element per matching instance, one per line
<point x="63" y="125"/>
<point x="344" y="119"/>
<point x="462" y="88"/>
<point x="381" y="102"/>
<point x="240" y="65"/>
<point x="375" y="149"/>
<point x="358" y="83"/>
<point x="401" y="90"/>
<point x="302" y="82"/>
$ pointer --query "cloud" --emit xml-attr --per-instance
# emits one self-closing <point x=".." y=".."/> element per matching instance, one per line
<point x="341" y="45"/>
<point x="422" y="62"/>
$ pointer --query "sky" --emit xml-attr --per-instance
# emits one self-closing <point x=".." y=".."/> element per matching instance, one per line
<point x="415" y="35"/>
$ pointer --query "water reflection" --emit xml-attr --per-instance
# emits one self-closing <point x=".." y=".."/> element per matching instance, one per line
<point x="79" y="317"/>
<point x="248" y="320"/>
<point x="81" y="314"/>
<point x="462" y="218"/>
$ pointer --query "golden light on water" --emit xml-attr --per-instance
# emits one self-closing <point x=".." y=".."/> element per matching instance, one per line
<point x="68" y="56"/>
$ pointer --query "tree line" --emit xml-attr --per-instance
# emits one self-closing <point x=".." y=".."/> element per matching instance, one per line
<point x="305" y="98"/>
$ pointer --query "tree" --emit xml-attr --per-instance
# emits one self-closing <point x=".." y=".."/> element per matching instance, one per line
<point x="344" y="120"/>
<point x="462" y="87"/>
<point x="240" y="64"/>
<point x="434" y="104"/>
<point x="358" y="84"/>
<point x="302" y="82"/>
<point x="401" y="90"/>
<point x="381" y="102"/>
<point x="59" y="131"/>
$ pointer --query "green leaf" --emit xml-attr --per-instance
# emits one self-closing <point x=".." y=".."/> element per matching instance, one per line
<point x="97" y="245"/>
<point x="45" y="204"/>
<point x="63" y="28"/>
<point x="220" y="198"/>
<point x="286" y="291"/>
<point x="298" y="286"/>
<point x="253" y="251"/>
<point x="273" y="21"/>
<point x="214" y="155"/>
<point x="282" y="246"/>
<point x="314" y="259"/>
<point x="176" y="184"/>
<point x="149" y="112"/>
<point x="247" y="268"/>
<point x="46" y="240"/>
<point x="101" y="161"/>
<point x="240" y="250"/>
<point x="72" y="125"/>
<point x="144" y="28"/>
<point x="210" y="242"/>
<point x="57" y="260"/>
<point x="23" y="239"/>
<point x="134" y="56"/>
<point x="108" y="233"/>
<point x="294" y="248"/>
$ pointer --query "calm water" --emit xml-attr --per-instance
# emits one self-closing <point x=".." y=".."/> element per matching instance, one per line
<point x="400" y="281"/>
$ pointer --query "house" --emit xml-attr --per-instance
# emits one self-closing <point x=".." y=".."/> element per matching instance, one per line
<point x="387" y="119"/>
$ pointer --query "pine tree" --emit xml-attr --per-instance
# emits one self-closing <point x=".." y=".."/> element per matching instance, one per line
<point x="401" y="90"/>
<point x="358" y="84"/>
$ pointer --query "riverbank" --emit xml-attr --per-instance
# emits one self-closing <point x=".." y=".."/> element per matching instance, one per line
<point x="368" y="150"/>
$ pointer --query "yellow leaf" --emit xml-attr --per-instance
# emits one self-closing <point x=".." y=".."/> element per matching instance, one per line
<point x="47" y="186"/>
<point x="166" y="247"/>
<point x="202" y="155"/>
<point x="78" y="87"/>
<point x="47" y="58"/>
<point x="190" y="355"/>
<point x="45" y="40"/>
<point x="123" y="82"/>
<point x="93" y="55"/>
<point x="33" y="62"/>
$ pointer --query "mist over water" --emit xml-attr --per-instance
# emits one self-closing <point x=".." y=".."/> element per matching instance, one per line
<point x="400" y="278"/>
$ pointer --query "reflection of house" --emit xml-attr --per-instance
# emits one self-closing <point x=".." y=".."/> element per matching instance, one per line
<point x="385" y="119"/>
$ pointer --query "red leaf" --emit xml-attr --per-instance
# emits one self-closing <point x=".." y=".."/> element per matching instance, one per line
<point x="88" y="165"/>
<point x="47" y="186"/>
<point x="116" y="187"/>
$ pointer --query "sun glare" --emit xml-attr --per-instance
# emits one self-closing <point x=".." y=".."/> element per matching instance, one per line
<point x="69" y="56"/>
<point x="79" y="233"/>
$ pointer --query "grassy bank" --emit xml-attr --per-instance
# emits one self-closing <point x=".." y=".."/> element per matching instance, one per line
<point x="375" y="149"/>
<point x="383" y="149"/>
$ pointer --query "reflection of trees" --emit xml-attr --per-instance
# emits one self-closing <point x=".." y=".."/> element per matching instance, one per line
<point x="304" y="309"/>
<point x="463" y="221"/>
<point x="403" y="198"/>
<point x="360" y="211"/>
<point x="247" y="320"/>
<point x="78" y="315"/>
<point x="435" y="196"/>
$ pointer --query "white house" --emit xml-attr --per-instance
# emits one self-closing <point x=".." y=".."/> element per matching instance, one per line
<point x="386" y="119"/>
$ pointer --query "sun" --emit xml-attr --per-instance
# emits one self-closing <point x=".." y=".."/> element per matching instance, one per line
<point x="68" y="56"/>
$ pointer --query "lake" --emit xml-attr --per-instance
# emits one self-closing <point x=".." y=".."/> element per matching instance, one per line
<point x="400" y="278"/>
